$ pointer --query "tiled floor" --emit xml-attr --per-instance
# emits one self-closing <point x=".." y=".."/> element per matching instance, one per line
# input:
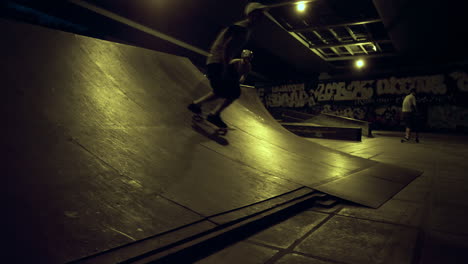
<point x="427" y="222"/>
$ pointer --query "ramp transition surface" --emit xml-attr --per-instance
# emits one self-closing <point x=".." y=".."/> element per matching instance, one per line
<point x="101" y="152"/>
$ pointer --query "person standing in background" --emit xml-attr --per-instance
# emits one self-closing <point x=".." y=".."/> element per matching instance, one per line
<point x="409" y="112"/>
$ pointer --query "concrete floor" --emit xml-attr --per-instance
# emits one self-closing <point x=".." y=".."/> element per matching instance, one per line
<point x="425" y="223"/>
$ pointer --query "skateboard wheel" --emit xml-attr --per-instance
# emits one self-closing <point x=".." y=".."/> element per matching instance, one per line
<point x="222" y="132"/>
<point x="197" y="118"/>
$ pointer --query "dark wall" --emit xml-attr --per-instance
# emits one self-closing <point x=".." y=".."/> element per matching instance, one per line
<point x="194" y="22"/>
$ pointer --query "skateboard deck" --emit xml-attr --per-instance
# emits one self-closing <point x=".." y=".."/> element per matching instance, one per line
<point x="403" y="140"/>
<point x="200" y="121"/>
<point x="209" y="130"/>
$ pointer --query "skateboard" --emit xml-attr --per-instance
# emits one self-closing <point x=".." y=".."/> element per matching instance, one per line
<point x="404" y="140"/>
<point x="201" y="122"/>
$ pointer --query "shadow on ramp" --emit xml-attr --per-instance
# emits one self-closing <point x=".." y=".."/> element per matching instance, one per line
<point x="213" y="136"/>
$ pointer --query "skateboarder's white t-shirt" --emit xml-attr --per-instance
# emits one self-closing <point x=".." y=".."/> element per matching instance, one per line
<point x="409" y="103"/>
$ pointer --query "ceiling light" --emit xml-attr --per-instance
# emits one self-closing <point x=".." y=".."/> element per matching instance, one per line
<point x="359" y="64"/>
<point x="301" y="6"/>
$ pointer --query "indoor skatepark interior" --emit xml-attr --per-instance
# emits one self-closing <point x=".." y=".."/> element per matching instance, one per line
<point x="104" y="167"/>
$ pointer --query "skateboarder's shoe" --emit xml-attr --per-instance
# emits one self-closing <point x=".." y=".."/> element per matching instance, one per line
<point x="216" y="120"/>
<point x="196" y="109"/>
<point x="405" y="139"/>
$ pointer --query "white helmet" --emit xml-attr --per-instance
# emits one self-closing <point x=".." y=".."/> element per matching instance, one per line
<point x="250" y="7"/>
<point x="247" y="54"/>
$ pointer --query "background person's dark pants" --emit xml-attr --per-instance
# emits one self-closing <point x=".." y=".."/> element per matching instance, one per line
<point x="409" y="120"/>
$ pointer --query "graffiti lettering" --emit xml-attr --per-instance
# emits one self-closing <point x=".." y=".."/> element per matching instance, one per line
<point x="339" y="91"/>
<point x="293" y="95"/>
<point x="364" y="102"/>
<point x="448" y="117"/>
<point x="359" y="90"/>
<point x="288" y="88"/>
<point x="389" y="116"/>
<point x="386" y="100"/>
<point x="423" y="84"/>
<point x="351" y="112"/>
<point x="462" y="80"/>
<point x="327" y="91"/>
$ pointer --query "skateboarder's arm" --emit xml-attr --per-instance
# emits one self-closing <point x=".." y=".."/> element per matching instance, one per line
<point x="242" y="68"/>
<point x="242" y="78"/>
<point x="413" y="104"/>
<point x="244" y="71"/>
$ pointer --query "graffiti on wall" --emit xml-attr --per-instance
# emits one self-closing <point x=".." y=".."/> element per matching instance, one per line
<point x="434" y="85"/>
<point x="346" y="111"/>
<point x="340" y="91"/>
<point x="462" y="80"/>
<point x="388" y="115"/>
<point x="448" y="117"/>
<point x="378" y="100"/>
<point x="288" y="95"/>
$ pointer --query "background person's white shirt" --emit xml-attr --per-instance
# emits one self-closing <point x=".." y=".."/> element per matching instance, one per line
<point x="409" y="103"/>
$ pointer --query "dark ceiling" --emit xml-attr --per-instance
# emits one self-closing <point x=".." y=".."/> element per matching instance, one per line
<point x="328" y="36"/>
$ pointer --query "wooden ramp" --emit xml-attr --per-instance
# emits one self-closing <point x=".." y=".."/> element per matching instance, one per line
<point x="101" y="152"/>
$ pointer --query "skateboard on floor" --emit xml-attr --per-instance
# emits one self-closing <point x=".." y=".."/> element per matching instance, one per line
<point x="200" y="121"/>
<point x="403" y="140"/>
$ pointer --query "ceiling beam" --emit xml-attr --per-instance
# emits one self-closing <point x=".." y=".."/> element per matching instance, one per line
<point x="295" y="35"/>
<point x="351" y="33"/>
<point x="339" y="40"/>
<point x="289" y="3"/>
<point x="327" y="27"/>
<point x="363" y="49"/>
<point x="327" y="46"/>
<point x="369" y="36"/>
<point x="382" y="55"/>
<point x="320" y="37"/>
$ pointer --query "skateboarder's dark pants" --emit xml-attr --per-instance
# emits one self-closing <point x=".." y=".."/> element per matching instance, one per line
<point x="224" y="81"/>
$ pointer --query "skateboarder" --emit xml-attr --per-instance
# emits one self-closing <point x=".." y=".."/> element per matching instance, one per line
<point x="222" y="70"/>
<point x="409" y="111"/>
